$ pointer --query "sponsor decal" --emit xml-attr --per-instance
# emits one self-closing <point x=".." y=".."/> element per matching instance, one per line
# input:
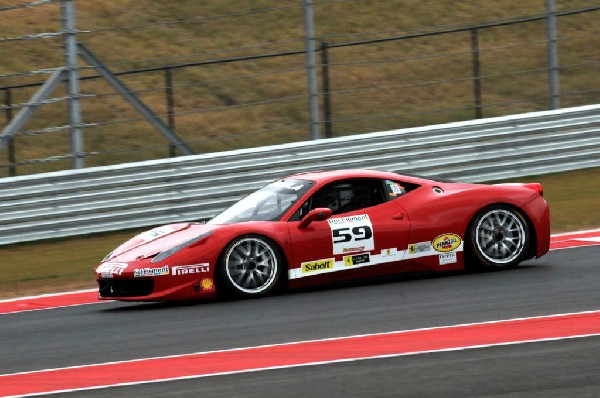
<point x="447" y="258"/>
<point x="111" y="268"/>
<point x="190" y="269"/>
<point x="389" y="252"/>
<point x="354" y="249"/>
<point x="446" y="242"/>
<point x="155" y="233"/>
<point x="351" y="234"/>
<point x="142" y="272"/>
<point x="421" y="247"/>
<point x="396" y="188"/>
<point x="207" y="284"/>
<point x="357" y="259"/>
<point x="318" y="265"/>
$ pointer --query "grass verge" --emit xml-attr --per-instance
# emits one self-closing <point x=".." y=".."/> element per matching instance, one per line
<point x="67" y="264"/>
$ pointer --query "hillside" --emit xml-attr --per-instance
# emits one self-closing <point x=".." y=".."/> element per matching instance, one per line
<point x="221" y="106"/>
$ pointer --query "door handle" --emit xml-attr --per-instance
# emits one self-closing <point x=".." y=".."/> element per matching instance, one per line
<point x="399" y="216"/>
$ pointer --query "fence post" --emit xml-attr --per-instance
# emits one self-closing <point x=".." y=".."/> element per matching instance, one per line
<point x="70" y="41"/>
<point x="170" y="106"/>
<point x="476" y="72"/>
<point x="311" y="69"/>
<point x="12" y="170"/>
<point x="326" y="90"/>
<point x="552" y="55"/>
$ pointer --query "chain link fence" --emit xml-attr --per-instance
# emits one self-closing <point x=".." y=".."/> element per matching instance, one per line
<point x="249" y="89"/>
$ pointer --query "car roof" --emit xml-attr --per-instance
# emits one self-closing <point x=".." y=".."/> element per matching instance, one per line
<point x="332" y="175"/>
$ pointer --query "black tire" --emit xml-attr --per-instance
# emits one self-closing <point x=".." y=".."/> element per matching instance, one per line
<point x="250" y="266"/>
<point x="498" y="238"/>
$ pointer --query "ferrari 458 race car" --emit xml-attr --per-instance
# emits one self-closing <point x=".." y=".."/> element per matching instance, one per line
<point x="321" y="227"/>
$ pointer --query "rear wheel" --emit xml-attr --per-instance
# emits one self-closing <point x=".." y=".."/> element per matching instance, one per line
<point x="498" y="237"/>
<point x="250" y="266"/>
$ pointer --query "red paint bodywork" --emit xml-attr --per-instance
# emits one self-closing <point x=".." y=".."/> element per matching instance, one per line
<point x="418" y="216"/>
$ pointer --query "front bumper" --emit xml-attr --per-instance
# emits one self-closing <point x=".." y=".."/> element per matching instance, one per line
<point x="150" y="289"/>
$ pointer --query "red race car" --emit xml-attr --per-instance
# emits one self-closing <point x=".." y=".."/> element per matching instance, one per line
<point x="320" y="227"/>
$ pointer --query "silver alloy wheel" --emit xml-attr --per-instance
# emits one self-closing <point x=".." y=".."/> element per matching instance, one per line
<point x="500" y="236"/>
<point x="251" y="265"/>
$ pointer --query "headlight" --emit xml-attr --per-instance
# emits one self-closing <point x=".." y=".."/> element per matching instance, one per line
<point x="169" y="252"/>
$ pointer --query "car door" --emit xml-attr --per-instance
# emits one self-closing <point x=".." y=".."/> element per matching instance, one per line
<point x="367" y="229"/>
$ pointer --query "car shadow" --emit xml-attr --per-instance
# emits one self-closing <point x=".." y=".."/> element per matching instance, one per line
<point x="335" y="285"/>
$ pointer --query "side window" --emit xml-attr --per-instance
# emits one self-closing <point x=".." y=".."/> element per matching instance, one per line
<point x="395" y="189"/>
<point x="345" y="196"/>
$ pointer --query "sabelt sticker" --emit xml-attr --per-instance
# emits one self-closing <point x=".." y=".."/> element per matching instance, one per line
<point x="421" y="247"/>
<point x="317" y="266"/>
<point x="357" y="259"/>
<point x="447" y="258"/>
<point x="446" y="242"/>
<point x="111" y="268"/>
<point x="351" y="234"/>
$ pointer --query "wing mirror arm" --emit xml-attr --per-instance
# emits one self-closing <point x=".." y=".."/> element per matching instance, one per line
<point x="318" y="214"/>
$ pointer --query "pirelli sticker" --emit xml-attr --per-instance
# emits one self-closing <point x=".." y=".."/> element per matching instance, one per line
<point x="317" y="266"/>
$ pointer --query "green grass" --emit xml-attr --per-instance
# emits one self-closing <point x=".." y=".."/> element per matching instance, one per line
<point x="375" y="79"/>
<point x="54" y="266"/>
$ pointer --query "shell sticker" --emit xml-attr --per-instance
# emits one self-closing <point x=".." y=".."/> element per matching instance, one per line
<point x="207" y="284"/>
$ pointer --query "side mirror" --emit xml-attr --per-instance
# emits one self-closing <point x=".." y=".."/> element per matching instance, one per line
<point x="318" y="214"/>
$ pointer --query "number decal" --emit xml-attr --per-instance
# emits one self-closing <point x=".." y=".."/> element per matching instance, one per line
<point x="340" y="235"/>
<point x="351" y="234"/>
<point x="358" y="233"/>
<point x="363" y="232"/>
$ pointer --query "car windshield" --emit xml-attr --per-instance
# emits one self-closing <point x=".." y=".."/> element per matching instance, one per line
<point x="267" y="204"/>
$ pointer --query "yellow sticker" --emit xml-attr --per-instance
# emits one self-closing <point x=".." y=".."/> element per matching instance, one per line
<point x="318" y="265"/>
<point x="446" y="242"/>
<point x="207" y="284"/>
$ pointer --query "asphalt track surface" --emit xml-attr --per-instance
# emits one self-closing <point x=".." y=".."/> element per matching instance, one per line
<point x="563" y="281"/>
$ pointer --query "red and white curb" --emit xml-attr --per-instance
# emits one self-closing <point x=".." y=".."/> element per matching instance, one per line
<point x="302" y="353"/>
<point x="575" y="239"/>
<point x="81" y="297"/>
<point x="47" y="301"/>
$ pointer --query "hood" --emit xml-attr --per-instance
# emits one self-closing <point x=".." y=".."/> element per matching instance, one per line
<point x="152" y="242"/>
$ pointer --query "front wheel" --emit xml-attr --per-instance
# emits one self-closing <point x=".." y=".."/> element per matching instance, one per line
<point x="250" y="266"/>
<point x="498" y="238"/>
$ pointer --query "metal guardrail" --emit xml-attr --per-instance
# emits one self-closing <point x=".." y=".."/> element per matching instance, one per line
<point x="110" y="198"/>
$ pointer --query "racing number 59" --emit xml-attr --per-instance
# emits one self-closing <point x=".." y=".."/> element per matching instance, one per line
<point x="347" y="234"/>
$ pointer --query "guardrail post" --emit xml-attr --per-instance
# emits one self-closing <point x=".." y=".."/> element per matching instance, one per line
<point x="12" y="170"/>
<point x="326" y="92"/>
<point x="170" y="106"/>
<point x="476" y="73"/>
